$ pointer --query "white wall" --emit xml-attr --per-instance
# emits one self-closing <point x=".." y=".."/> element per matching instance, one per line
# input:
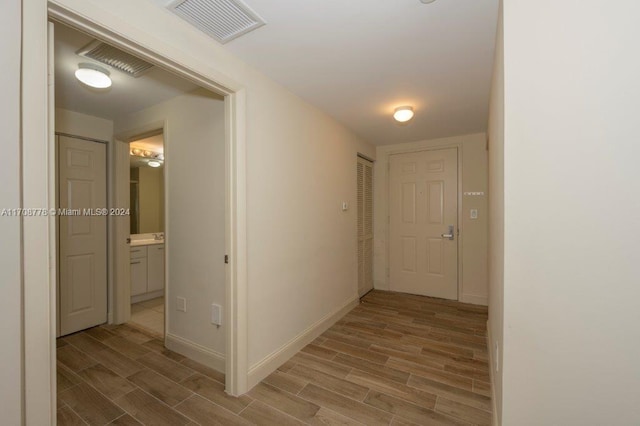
<point x="10" y="259"/>
<point x="195" y="194"/>
<point x="301" y="165"/>
<point x="496" y="222"/>
<point x="294" y="153"/>
<point x="473" y="241"/>
<point x="571" y="203"/>
<point x="88" y="126"/>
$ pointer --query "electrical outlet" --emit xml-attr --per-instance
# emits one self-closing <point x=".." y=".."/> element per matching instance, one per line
<point x="181" y="304"/>
<point x="497" y="353"/>
<point x="473" y="214"/>
<point x="216" y="314"/>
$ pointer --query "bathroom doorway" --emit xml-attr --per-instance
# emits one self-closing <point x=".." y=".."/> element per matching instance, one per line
<point x="166" y="219"/>
<point x="147" y="237"/>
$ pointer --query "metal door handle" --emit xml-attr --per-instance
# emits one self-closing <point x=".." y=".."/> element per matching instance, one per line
<point x="450" y="234"/>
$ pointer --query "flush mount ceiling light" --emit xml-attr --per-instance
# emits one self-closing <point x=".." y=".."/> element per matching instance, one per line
<point x="427" y="1"/>
<point x="403" y="114"/>
<point x="93" y="76"/>
<point x="154" y="163"/>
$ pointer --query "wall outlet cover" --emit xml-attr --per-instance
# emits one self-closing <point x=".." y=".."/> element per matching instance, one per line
<point x="181" y="304"/>
<point x="216" y="314"/>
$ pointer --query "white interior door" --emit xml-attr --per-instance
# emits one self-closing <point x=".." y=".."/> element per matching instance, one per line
<point x="365" y="226"/>
<point x="82" y="237"/>
<point x="423" y="223"/>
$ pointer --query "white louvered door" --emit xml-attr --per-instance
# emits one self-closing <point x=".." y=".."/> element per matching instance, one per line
<point x="365" y="226"/>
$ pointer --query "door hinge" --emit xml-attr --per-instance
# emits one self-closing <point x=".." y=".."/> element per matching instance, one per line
<point x="226" y="258"/>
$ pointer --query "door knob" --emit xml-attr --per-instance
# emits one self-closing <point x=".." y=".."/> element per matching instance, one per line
<point x="450" y="234"/>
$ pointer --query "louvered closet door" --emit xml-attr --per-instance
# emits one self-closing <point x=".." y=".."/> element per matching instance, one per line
<point x="365" y="226"/>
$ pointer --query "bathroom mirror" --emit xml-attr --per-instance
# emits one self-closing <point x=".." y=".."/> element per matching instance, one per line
<point x="146" y="162"/>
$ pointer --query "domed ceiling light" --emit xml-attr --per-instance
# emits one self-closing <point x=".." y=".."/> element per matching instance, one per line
<point x="93" y="76"/>
<point x="403" y="114"/>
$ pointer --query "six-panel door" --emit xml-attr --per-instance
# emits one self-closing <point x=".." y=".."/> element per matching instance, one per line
<point x="423" y="207"/>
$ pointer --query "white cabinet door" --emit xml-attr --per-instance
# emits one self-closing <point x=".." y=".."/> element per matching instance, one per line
<point x="138" y="276"/>
<point x="155" y="277"/>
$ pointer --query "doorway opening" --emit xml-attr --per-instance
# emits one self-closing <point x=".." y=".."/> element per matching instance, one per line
<point x="147" y="237"/>
<point x="153" y="203"/>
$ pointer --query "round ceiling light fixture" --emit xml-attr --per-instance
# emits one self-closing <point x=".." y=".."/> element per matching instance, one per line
<point x="154" y="163"/>
<point x="427" y="1"/>
<point x="93" y="76"/>
<point x="403" y="114"/>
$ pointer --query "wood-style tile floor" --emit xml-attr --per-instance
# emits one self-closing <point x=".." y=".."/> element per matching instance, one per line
<point x="395" y="359"/>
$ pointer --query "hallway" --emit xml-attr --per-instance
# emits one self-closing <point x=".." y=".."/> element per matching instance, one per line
<point x="395" y="359"/>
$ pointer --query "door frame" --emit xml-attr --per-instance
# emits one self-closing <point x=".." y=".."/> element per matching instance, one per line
<point x="120" y="294"/>
<point x="381" y="169"/>
<point x="38" y="188"/>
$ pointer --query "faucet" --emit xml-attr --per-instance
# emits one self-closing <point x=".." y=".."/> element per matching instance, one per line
<point x="158" y="237"/>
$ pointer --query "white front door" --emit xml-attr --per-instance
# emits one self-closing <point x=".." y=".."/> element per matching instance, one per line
<point x="423" y="189"/>
<point x="82" y="184"/>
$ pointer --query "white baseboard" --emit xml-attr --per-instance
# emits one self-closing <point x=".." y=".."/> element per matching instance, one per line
<point x="196" y="352"/>
<point x="492" y="376"/>
<point x="271" y="362"/>
<point x="475" y="300"/>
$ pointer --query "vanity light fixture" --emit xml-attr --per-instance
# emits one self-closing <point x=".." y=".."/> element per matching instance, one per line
<point x="154" y="163"/>
<point x="93" y="76"/>
<point x="403" y="114"/>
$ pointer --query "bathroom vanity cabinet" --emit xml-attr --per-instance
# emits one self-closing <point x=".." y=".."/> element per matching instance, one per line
<point x="147" y="272"/>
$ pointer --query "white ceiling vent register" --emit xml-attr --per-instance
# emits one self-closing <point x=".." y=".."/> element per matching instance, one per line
<point x="115" y="58"/>
<point x="223" y="20"/>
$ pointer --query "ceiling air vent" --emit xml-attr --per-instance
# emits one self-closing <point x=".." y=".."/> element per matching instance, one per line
<point x="223" y="20"/>
<point x="115" y="58"/>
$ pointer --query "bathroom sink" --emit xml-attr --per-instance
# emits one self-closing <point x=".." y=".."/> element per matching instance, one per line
<point x="146" y="240"/>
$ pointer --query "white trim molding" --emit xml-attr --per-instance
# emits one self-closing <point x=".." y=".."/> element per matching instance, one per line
<point x="492" y="377"/>
<point x="196" y="352"/>
<point x="271" y="362"/>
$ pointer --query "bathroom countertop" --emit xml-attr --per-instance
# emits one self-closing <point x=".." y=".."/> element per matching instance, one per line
<point x="146" y="239"/>
<point x="137" y="243"/>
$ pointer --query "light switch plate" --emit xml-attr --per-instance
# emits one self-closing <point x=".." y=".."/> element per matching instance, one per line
<point x="473" y="214"/>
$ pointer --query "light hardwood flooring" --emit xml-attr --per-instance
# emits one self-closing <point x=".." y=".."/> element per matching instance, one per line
<point x="395" y="359"/>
